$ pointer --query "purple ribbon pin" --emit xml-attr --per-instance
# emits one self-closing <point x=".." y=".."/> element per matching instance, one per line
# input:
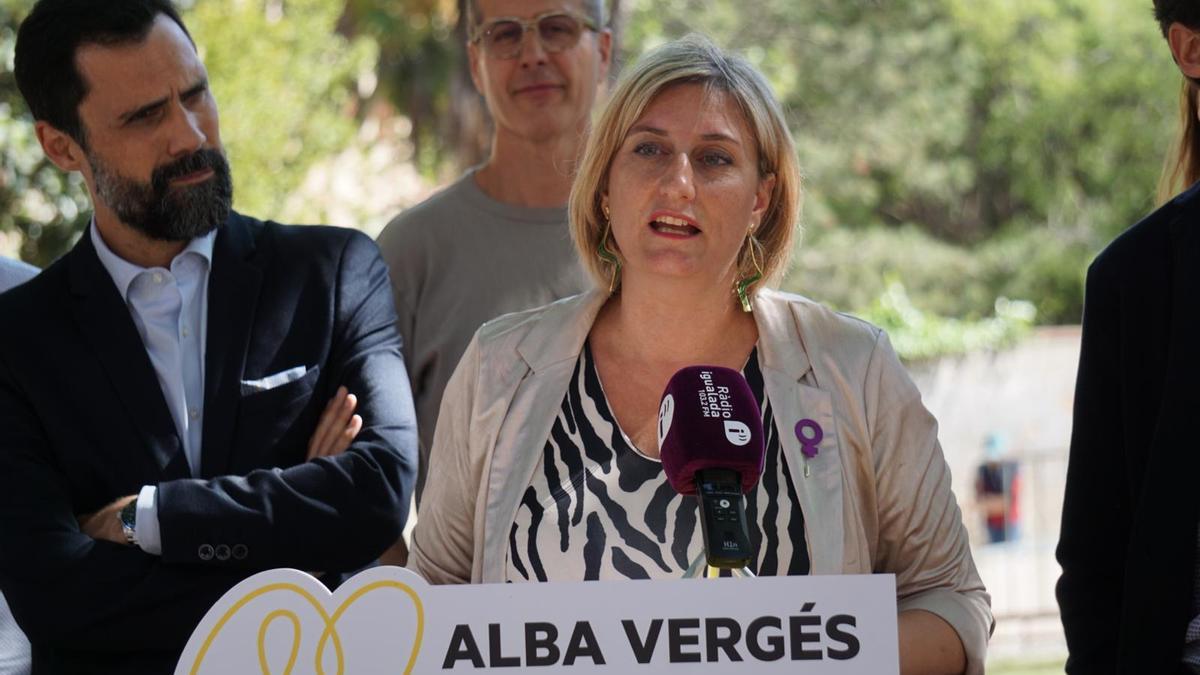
<point x="810" y="435"/>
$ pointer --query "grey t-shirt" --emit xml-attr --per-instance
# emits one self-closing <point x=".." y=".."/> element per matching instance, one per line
<point x="460" y="259"/>
<point x="14" y="648"/>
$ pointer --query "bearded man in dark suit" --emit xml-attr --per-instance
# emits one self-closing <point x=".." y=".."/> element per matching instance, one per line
<point x="163" y="426"/>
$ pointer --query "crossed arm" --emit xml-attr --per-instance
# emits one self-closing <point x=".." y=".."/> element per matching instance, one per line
<point x="336" y="429"/>
<point x="75" y="589"/>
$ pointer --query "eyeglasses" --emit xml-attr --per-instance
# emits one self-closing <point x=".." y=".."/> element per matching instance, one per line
<point x="502" y="38"/>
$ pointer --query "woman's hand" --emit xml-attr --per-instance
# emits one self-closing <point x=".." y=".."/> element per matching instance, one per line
<point x="337" y="427"/>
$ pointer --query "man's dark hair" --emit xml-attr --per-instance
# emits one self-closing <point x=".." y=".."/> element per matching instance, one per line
<point x="1186" y="12"/>
<point x="52" y="34"/>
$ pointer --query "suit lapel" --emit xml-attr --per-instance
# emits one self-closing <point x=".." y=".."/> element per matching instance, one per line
<point x="518" y="445"/>
<point x="787" y="368"/>
<point x="1162" y="545"/>
<point x="818" y="481"/>
<point x="533" y="385"/>
<point x="1174" y="458"/>
<point x="108" y="327"/>
<point x="233" y="289"/>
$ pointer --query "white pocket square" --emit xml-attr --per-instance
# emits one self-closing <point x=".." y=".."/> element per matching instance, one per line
<point x="272" y="381"/>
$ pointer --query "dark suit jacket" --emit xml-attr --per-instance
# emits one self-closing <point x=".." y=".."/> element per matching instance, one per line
<point x="83" y="421"/>
<point x="1128" y="539"/>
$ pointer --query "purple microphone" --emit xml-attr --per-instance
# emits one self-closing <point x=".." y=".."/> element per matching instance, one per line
<point x="711" y="440"/>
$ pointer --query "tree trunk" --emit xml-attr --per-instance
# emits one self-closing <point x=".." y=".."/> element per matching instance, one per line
<point x="469" y="127"/>
<point x="616" y="22"/>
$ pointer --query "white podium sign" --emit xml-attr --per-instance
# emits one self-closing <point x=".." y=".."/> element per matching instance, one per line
<point x="388" y="620"/>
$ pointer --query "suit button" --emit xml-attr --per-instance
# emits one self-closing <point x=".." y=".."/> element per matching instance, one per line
<point x="205" y="552"/>
<point x="240" y="551"/>
<point x="222" y="552"/>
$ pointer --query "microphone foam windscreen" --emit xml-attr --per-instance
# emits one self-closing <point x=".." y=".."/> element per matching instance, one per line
<point x="709" y="419"/>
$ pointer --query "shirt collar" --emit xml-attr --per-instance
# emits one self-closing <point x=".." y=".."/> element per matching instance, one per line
<point x="124" y="272"/>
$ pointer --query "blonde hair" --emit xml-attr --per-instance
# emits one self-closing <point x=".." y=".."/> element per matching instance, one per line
<point x="691" y="60"/>
<point x="1182" y="166"/>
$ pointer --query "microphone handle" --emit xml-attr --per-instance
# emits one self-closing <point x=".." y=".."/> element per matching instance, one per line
<point x="723" y="518"/>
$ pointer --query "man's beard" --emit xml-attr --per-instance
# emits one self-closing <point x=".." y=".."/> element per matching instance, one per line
<point x="165" y="213"/>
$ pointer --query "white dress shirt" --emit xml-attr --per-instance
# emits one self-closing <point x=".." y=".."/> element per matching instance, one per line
<point x="170" y="309"/>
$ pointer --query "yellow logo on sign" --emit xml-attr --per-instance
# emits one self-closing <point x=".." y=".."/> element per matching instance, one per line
<point x="330" y="621"/>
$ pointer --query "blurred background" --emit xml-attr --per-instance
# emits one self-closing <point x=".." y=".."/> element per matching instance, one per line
<point x="964" y="161"/>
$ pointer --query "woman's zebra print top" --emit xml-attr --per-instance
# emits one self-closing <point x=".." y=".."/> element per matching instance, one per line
<point x="599" y="509"/>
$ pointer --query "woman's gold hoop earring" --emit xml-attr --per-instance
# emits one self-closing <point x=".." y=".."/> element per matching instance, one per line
<point x="608" y="256"/>
<point x="743" y="284"/>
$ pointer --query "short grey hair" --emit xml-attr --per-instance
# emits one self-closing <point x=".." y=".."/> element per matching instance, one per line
<point x="593" y="8"/>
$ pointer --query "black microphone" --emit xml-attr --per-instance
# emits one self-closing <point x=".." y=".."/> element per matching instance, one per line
<point x="710" y="438"/>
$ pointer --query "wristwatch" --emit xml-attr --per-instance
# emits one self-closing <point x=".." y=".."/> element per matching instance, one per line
<point x="128" y="516"/>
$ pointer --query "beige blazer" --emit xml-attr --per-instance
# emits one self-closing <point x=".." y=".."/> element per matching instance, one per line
<point x="877" y="497"/>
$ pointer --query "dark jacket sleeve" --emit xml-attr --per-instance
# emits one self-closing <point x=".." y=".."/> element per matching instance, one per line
<point x="75" y="595"/>
<point x="1096" y="519"/>
<point x="67" y="590"/>
<point x="334" y="513"/>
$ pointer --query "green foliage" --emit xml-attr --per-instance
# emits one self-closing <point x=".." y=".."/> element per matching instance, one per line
<point x="47" y="207"/>
<point x="848" y="269"/>
<point x="1078" y="119"/>
<point x="970" y="149"/>
<point x="1047" y="265"/>
<point x="851" y="268"/>
<point x="285" y="84"/>
<point x="918" y="335"/>
<point x="959" y="116"/>
<point x="419" y="56"/>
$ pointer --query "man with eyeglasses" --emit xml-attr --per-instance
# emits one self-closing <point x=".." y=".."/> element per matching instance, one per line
<point x="496" y="240"/>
